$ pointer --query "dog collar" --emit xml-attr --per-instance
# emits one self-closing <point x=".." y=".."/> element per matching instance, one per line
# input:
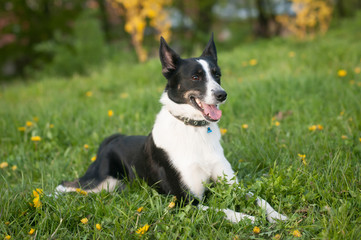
<point x="194" y="123"/>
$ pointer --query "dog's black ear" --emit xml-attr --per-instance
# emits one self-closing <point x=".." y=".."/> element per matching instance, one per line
<point x="168" y="58"/>
<point x="210" y="50"/>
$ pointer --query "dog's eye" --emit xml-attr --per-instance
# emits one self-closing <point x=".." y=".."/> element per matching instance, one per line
<point x="195" y="77"/>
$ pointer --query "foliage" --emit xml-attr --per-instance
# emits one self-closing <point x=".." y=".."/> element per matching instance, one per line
<point x="312" y="16"/>
<point x="312" y="176"/>
<point x="24" y="24"/>
<point x="137" y="13"/>
<point x="76" y="53"/>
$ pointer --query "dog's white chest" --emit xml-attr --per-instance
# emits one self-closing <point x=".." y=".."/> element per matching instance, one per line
<point x="193" y="151"/>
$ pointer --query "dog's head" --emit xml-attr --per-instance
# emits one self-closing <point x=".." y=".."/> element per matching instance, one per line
<point x="194" y="84"/>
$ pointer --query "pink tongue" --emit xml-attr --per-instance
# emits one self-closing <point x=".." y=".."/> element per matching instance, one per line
<point x="212" y="111"/>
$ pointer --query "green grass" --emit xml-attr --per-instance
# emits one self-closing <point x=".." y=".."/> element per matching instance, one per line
<point x="322" y="198"/>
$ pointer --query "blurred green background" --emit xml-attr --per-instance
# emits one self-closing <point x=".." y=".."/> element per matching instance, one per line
<point x="67" y="37"/>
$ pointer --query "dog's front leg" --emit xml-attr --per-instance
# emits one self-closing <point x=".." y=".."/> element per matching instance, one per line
<point x="231" y="215"/>
<point x="272" y="215"/>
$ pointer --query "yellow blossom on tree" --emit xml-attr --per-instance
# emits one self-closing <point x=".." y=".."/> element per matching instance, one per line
<point x="311" y="16"/>
<point x="143" y="229"/>
<point x="98" y="226"/>
<point x="341" y="73"/>
<point x="256" y="230"/>
<point x="32" y="230"/>
<point x="140" y="12"/>
<point x="4" y="165"/>
<point x="84" y="221"/>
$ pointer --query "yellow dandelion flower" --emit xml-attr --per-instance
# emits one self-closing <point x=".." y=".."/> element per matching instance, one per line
<point x="312" y="128"/>
<point x="277" y="237"/>
<point x="253" y="62"/>
<point x="98" y="226"/>
<point x="14" y="167"/>
<point x="244" y="126"/>
<point x="51" y="125"/>
<point x="7" y="223"/>
<point x="88" y="94"/>
<point x="341" y="73"/>
<point x="7" y="237"/>
<point x="37" y="202"/>
<point x="21" y="129"/>
<point x="36" y="119"/>
<point x="342" y="113"/>
<point x="319" y="127"/>
<point x="84" y="221"/>
<point x="359" y="139"/>
<point x="32" y="230"/>
<point x="357" y="70"/>
<point x="296" y="233"/>
<point x="93" y="158"/>
<point x="124" y="95"/>
<point x="223" y="131"/>
<point x="86" y="146"/>
<point x="36" y="138"/>
<point x="291" y="54"/>
<point x="4" y="165"/>
<point x="143" y="229"/>
<point x="344" y="137"/>
<point x="29" y="123"/>
<point x="277" y="123"/>
<point x="256" y="230"/>
<point x="110" y="113"/>
<point x="80" y="191"/>
<point x="140" y="209"/>
<point x="302" y="155"/>
<point x="171" y="205"/>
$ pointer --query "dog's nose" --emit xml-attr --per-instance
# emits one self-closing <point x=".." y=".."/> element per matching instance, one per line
<point x="220" y="95"/>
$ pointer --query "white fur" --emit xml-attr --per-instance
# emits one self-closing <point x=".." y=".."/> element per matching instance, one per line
<point x="196" y="154"/>
<point x="211" y="84"/>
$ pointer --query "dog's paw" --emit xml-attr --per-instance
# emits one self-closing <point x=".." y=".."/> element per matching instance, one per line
<point x="236" y="217"/>
<point x="275" y="216"/>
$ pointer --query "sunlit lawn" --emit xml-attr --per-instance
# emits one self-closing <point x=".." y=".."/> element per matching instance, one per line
<point x="292" y="130"/>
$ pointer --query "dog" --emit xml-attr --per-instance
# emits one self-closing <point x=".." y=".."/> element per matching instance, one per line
<point x="183" y="150"/>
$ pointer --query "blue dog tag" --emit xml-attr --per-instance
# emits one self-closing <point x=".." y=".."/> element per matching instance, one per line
<point x="209" y="130"/>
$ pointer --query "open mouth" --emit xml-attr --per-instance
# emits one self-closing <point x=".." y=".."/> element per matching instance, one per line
<point x="210" y="112"/>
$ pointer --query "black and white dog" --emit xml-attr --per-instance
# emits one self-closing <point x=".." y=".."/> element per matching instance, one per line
<point x="183" y="151"/>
